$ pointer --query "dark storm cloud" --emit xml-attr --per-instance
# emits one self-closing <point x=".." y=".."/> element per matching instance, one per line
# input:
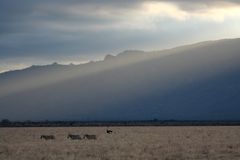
<point x="60" y="28"/>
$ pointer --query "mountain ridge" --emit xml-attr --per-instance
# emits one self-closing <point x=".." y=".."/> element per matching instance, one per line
<point x="133" y="52"/>
<point x="193" y="82"/>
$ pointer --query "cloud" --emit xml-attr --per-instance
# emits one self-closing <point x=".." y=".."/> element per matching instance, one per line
<point x="73" y="16"/>
<point x="216" y="10"/>
<point x="95" y="15"/>
<point x="60" y="29"/>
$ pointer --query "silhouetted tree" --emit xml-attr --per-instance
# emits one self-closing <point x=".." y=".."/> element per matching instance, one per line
<point x="5" y="122"/>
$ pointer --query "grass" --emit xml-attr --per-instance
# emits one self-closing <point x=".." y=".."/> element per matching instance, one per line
<point x="126" y="143"/>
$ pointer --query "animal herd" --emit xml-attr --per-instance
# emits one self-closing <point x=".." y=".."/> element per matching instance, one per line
<point x="75" y="136"/>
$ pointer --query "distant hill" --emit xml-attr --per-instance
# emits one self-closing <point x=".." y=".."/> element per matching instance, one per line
<point x="193" y="82"/>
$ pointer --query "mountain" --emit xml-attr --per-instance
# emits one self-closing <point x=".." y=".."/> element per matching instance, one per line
<point x="193" y="82"/>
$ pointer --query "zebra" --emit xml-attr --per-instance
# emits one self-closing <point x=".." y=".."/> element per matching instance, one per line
<point x="47" y="137"/>
<point x="87" y="136"/>
<point x="74" y="137"/>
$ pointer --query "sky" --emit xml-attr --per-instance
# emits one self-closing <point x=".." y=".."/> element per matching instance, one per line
<point x="75" y="31"/>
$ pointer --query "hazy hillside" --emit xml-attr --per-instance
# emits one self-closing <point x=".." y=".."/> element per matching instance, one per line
<point x="199" y="81"/>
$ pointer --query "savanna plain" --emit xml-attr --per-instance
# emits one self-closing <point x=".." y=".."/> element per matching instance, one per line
<point x="125" y="143"/>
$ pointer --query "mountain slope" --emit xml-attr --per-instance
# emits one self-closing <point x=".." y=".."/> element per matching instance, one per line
<point x="199" y="81"/>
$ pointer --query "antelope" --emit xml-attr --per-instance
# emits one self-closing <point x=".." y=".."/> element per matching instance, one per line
<point x="109" y="131"/>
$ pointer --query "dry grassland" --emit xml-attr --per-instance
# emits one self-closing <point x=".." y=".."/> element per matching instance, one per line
<point x="126" y="143"/>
